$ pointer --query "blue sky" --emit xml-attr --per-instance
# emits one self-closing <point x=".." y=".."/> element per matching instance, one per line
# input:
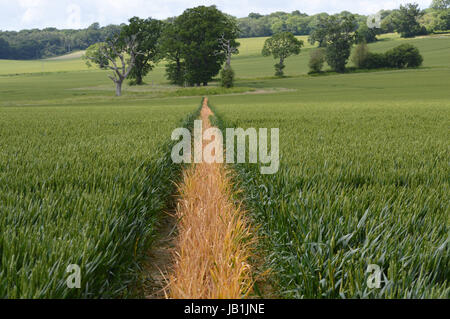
<point x="26" y="14"/>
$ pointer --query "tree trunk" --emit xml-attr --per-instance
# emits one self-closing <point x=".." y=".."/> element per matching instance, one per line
<point x="139" y="79"/>
<point x="228" y="63"/>
<point x="205" y="83"/>
<point x="119" y="88"/>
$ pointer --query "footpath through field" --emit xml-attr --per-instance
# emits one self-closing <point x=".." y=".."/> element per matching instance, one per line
<point x="214" y="240"/>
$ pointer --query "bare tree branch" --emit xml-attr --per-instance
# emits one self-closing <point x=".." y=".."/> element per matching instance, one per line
<point x="227" y="49"/>
<point x="113" y="50"/>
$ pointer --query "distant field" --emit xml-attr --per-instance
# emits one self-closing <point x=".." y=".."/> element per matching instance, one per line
<point x="70" y="56"/>
<point x="250" y="63"/>
<point x="364" y="178"/>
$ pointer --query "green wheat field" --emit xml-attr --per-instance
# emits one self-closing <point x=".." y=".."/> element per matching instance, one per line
<point x="364" y="177"/>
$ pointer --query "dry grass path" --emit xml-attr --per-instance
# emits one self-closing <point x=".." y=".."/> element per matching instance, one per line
<point x="214" y="241"/>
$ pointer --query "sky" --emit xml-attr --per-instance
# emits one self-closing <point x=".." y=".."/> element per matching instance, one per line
<point x="63" y="14"/>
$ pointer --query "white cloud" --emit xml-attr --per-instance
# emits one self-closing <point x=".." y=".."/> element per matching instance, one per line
<point x="33" y="10"/>
<point x="21" y="14"/>
<point x="73" y="12"/>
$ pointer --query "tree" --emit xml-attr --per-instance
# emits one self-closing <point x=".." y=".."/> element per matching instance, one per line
<point x="297" y="24"/>
<point x="338" y="35"/>
<point x="443" y="20"/>
<point x="404" y="56"/>
<point x="319" y="32"/>
<point x="227" y="78"/>
<point x="228" y="48"/>
<point x="442" y="8"/>
<point x="440" y="4"/>
<point x="4" y="49"/>
<point x="360" y="54"/>
<point x="374" y="61"/>
<point x="387" y="21"/>
<point x="147" y="33"/>
<point x="196" y="44"/>
<point x="437" y="18"/>
<point x="253" y="15"/>
<point x="366" y="34"/>
<point x="171" y="45"/>
<point x="298" y="13"/>
<point x="106" y="54"/>
<point x="281" y="46"/>
<point x="317" y="60"/>
<point x="279" y="26"/>
<point x="406" y="20"/>
<point x="93" y="33"/>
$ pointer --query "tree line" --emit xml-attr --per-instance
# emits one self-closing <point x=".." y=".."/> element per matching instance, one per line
<point x="49" y="42"/>
<point x="336" y="36"/>
<point x="434" y="19"/>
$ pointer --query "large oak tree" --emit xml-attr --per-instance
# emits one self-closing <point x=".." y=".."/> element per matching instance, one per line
<point x="337" y="35"/>
<point x="194" y="44"/>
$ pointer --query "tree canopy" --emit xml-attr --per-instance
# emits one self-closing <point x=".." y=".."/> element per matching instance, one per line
<point x="281" y="46"/>
<point x="406" y="20"/>
<point x="337" y="35"/>
<point x="366" y="34"/>
<point x="195" y="53"/>
<point x="147" y="34"/>
<point x="296" y="22"/>
<point x="440" y="4"/>
<point x="172" y="46"/>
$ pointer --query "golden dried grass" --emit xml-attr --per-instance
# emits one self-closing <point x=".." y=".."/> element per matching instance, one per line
<point x="214" y="243"/>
